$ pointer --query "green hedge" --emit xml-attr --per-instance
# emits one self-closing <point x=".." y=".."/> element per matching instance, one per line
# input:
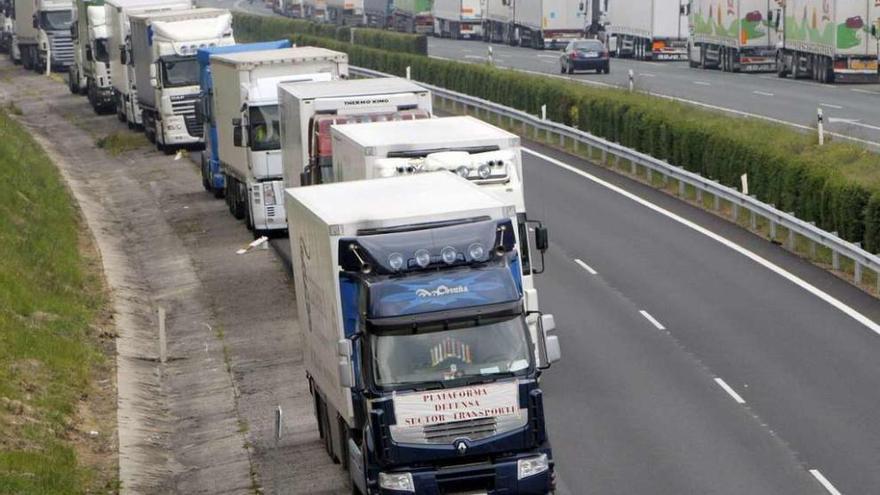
<point x="250" y="28"/>
<point x="836" y="186"/>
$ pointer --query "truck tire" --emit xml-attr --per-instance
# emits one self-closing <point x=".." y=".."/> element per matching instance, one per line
<point x="206" y="181"/>
<point x="72" y="81"/>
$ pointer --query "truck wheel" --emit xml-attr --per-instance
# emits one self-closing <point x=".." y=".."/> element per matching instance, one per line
<point x="206" y="181"/>
<point x="691" y="63"/>
<point x="72" y="80"/>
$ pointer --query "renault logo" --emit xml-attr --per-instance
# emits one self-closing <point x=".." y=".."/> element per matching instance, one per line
<point x="461" y="446"/>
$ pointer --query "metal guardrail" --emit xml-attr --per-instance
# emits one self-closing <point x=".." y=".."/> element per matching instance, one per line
<point x="839" y="248"/>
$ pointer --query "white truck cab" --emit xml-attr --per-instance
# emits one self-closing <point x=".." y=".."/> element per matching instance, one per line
<point x="163" y="49"/>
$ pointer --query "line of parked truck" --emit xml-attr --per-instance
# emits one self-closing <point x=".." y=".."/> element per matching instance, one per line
<point x="826" y="40"/>
<point x="412" y="252"/>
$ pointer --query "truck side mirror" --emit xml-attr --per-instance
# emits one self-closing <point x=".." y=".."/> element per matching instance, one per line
<point x="89" y="53"/>
<point x="36" y="22"/>
<point x="581" y="6"/>
<point x="122" y="57"/>
<point x="346" y="373"/>
<point x="549" y="348"/>
<point x="542" y="238"/>
<point x="153" y="76"/>
<point x="778" y="19"/>
<point x="236" y="133"/>
<point x="874" y="30"/>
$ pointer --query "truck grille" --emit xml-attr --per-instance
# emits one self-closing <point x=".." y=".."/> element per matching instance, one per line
<point x="186" y="107"/>
<point x="62" y="48"/>
<point x="447" y="433"/>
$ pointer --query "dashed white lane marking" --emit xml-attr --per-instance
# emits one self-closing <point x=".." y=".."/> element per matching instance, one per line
<point x="866" y="91"/>
<point x="652" y="320"/>
<point x="829" y="105"/>
<point x="554" y="57"/>
<point x="763" y="93"/>
<point x="702" y="83"/>
<point x="731" y="392"/>
<point x="824" y="482"/>
<point x="645" y="74"/>
<point x="803" y="284"/>
<point x="586" y="267"/>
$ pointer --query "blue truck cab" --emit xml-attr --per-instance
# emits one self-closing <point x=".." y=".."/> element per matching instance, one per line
<point x="423" y="370"/>
<point x="212" y="176"/>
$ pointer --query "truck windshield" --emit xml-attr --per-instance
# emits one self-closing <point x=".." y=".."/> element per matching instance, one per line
<point x="56" y="20"/>
<point x="450" y="352"/>
<point x="265" y="128"/>
<point x="180" y="71"/>
<point x="101" y="52"/>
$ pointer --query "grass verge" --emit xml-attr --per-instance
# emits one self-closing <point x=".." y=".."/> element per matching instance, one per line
<point x="57" y="395"/>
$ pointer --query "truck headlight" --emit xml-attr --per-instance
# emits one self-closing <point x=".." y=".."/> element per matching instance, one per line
<point x="268" y="195"/>
<point x="397" y="481"/>
<point x="531" y="466"/>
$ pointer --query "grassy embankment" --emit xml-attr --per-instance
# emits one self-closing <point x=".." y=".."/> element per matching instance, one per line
<point x="57" y="403"/>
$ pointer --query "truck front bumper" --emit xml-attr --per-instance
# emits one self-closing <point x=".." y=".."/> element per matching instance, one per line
<point x="176" y="133"/>
<point x="500" y="476"/>
<point x="268" y="205"/>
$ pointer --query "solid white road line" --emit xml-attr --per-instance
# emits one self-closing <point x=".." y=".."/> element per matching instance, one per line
<point x="824" y="296"/>
<point x="829" y="105"/>
<point x="763" y="93"/>
<point x="824" y="482"/>
<point x="652" y="320"/>
<point x="645" y="74"/>
<point x="866" y="91"/>
<point x="731" y="392"/>
<point x="554" y="57"/>
<point x="586" y="267"/>
<point x="702" y="83"/>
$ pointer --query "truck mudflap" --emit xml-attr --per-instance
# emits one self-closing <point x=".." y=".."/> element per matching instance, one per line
<point x="526" y="474"/>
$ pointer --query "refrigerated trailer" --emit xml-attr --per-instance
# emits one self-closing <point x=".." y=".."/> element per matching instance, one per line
<point x="830" y="40"/>
<point x="458" y="19"/>
<point x="119" y="45"/>
<point x="309" y="110"/>
<point x="498" y="21"/>
<point x="549" y="23"/>
<point x="245" y="109"/>
<point x="416" y="348"/>
<point x="648" y="29"/>
<point x="412" y="16"/>
<point x="734" y="36"/>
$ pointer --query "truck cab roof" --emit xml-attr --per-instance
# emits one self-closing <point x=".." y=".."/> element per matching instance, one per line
<point x="279" y="56"/>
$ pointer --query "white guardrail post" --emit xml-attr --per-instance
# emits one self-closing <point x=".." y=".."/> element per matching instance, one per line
<point x="813" y="235"/>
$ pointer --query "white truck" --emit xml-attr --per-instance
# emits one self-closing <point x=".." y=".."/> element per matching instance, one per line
<point x="549" y="23"/>
<point x="309" y="110"/>
<point x="163" y="49"/>
<point x="90" y="72"/>
<point x="7" y="23"/>
<point x="42" y="34"/>
<point x="315" y="10"/>
<point x="458" y="19"/>
<point x="648" y="29"/>
<point x="245" y="108"/>
<point x="739" y="35"/>
<point x="119" y="42"/>
<point x="830" y="40"/>
<point x="415" y="343"/>
<point x="498" y="21"/>
<point x="475" y="150"/>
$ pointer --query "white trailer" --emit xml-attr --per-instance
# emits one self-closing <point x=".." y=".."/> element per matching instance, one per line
<point x="480" y="152"/>
<point x="648" y="29"/>
<point x="315" y="9"/>
<point x="163" y="49"/>
<point x="458" y="19"/>
<point x="24" y="34"/>
<point x="498" y="17"/>
<point x="737" y="36"/>
<point x="549" y="23"/>
<point x="119" y="43"/>
<point x="309" y="110"/>
<point x="830" y="40"/>
<point x="245" y="108"/>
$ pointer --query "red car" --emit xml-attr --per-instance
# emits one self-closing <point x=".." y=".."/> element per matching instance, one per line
<point x="585" y="55"/>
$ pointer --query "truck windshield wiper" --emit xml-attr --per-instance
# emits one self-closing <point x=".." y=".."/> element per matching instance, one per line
<point x="426" y="385"/>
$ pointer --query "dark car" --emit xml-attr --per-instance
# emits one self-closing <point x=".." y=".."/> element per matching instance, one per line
<point x="585" y="55"/>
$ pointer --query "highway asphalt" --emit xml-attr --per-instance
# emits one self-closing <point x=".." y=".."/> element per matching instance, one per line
<point x="636" y="408"/>
<point x="762" y="95"/>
